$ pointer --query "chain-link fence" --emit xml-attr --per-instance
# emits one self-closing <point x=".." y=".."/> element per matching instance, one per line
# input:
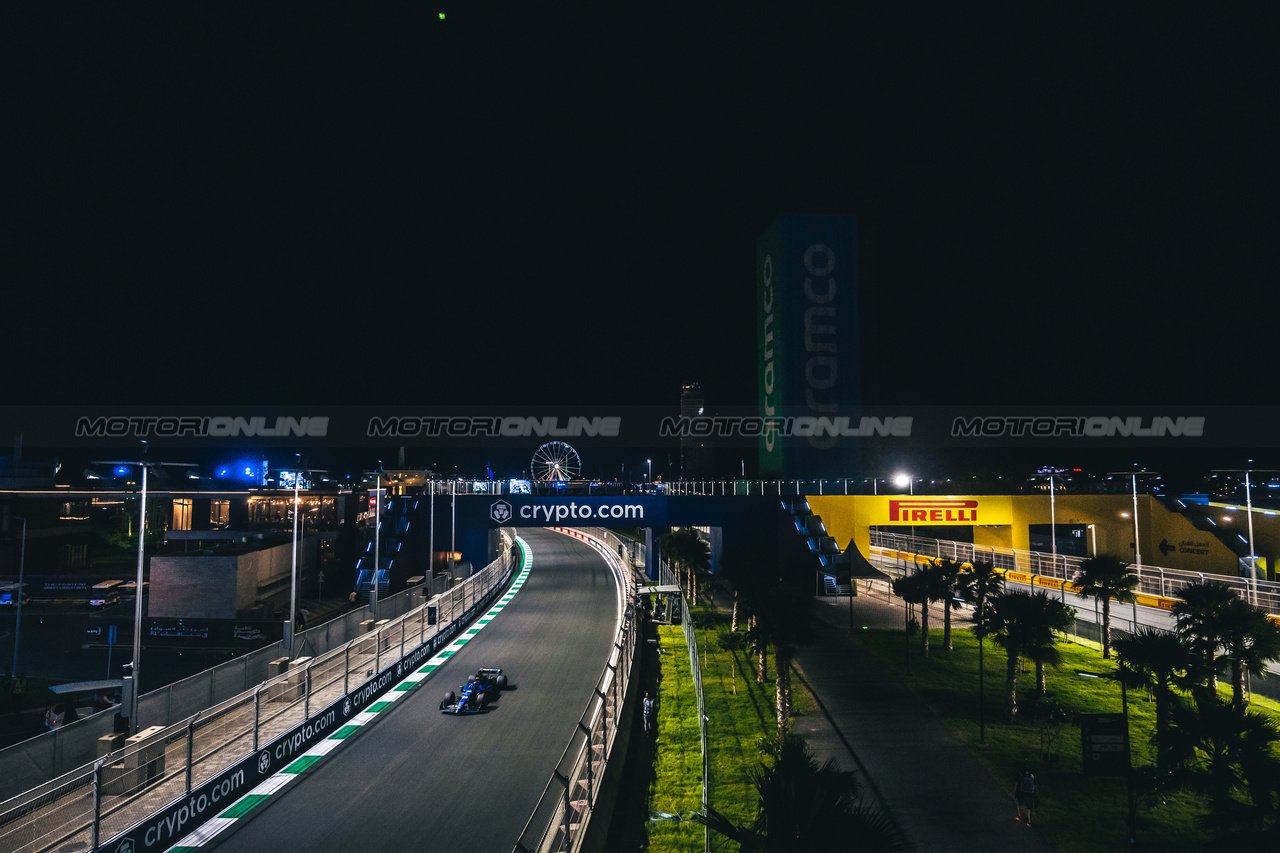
<point x="203" y="757"/>
<point x="49" y="755"/>
<point x="559" y="821"/>
<point x="897" y="557"/>
<point x="695" y="667"/>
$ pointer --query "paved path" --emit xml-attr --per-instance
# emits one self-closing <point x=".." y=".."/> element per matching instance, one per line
<point x="936" y="791"/>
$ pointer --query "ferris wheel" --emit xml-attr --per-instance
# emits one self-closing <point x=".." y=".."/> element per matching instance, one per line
<point x="556" y="460"/>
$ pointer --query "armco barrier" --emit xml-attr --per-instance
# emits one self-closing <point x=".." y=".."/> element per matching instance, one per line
<point x="580" y="786"/>
<point x="167" y="781"/>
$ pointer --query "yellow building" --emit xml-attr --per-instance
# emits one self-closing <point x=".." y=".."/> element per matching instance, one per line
<point x="1167" y="539"/>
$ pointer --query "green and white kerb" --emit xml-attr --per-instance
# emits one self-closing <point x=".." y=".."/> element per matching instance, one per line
<point x="311" y="757"/>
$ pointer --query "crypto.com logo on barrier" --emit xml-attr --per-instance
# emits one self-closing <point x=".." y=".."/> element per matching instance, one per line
<point x="500" y="512"/>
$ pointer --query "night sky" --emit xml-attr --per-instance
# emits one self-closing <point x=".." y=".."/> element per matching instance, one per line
<point x="559" y="203"/>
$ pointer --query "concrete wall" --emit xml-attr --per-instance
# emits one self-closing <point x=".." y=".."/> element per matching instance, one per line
<point x="193" y="586"/>
<point x="220" y="587"/>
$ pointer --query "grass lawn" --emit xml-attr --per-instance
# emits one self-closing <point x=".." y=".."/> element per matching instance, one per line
<point x="677" y="752"/>
<point x="740" y="712"/>
<point x="947" y="682"/>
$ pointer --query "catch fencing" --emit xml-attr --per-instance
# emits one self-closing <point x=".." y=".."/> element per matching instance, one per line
<point x="49" y="755"/>
<point x="695" y="667"/>
<point x="897" y="554"/>
<point x="191" y="770"/>
<point x="569" y="800"/>
<point x="1154" y="580"/>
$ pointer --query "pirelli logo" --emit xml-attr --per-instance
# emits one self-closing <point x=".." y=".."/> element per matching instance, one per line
<point x="954" y="511"/>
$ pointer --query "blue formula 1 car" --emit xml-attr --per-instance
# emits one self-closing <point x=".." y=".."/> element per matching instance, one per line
<point x="476" y="694"/>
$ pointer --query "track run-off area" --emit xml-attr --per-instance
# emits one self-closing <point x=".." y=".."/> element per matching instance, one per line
<point x="405" y="776"/>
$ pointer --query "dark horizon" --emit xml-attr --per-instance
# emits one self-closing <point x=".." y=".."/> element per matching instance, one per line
<point x="530" y="207"/>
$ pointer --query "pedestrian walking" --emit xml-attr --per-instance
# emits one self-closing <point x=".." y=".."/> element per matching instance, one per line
<point x="648" y="713"/>
<point x="1024" y="791"/>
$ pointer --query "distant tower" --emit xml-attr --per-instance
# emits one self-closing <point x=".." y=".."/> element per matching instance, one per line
<point x="693" y="449"/>
<point x="814" y="332"/>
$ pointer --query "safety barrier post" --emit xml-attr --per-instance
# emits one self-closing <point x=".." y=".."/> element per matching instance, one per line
<point x="257" y="694"/>
<point x="97" y="804"/>
<point x="306" y="693"/>
<point x="346" y="671"/>
<point x="191" y="739"/>
<point x="564" y="780"/>
<point x="590" y="760"/>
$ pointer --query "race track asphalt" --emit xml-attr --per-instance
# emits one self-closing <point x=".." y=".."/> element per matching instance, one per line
<point x="418" y="779"/>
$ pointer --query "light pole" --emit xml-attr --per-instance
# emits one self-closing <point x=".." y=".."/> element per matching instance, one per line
<point x="1053" y="524"/>
<point x="137" y="611"/>
<point x="900" y="479"/>
<point x="431" y="538"/>
<point x="1253" y="559"/>
<point x="17" y="623"/>
<point x="293" y="575"/>
<point x="377" y="543"/>
<point x="1248" y="499"/>
<point x="136" y="663"/>
<point x="1137" y="546"/>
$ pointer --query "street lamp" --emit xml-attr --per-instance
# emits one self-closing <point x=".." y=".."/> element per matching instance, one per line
<point x="293" y="575"/>
<point x="1248" y="499"/>
<point x="377" y="543"/>
<point x="136" y="665"/>
<point x="17" y="623"/>
<point x="1137" y="545"/>
<point x="906" y="480"/>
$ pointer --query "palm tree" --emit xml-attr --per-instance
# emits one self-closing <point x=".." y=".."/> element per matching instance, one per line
<point x="745" y="578"/>
<point x="1252" y="640"/>
<point x="949" y="573"/>
<point x="917" y="589"/>
<point x="1050" y="617"/>
<point x="789" y="624"/>
<point x="1019" y="621"/>
<point x="1227" y="752"/>
<point x="1156" y="660"/>
<point x="980" y="583"/>
<point x="690" y="555"/>
<point x="755" y="589"/>
<point x="1201" y="616"/>
<point x="1105" y="578"/>
<point x="804" y="805"/>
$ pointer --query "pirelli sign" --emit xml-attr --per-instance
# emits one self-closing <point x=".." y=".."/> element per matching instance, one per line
<point x="949" y="509"/>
